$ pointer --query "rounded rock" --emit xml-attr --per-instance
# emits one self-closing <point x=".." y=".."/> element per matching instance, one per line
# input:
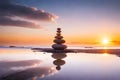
<point x="58" y="28"/>
<point x="59" y="46"/>
<point x="58" y="37"/>
<point x="59" y="56"/>
<point x="58" y="34"/>
<point x="59" y="31"/>
<point x="59" y="41"/>
<point x="59" y="62"/>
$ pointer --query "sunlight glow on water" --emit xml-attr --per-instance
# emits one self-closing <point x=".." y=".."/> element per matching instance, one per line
<point x="49" y="66"/>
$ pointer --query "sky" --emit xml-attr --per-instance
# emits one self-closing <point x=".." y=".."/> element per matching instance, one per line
<point x="83" y="22"/>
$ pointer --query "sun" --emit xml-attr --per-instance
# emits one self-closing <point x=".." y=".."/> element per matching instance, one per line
<point x="105" y="41"/>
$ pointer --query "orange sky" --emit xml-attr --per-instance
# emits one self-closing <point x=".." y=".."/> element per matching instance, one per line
<point x="21" y="36"/>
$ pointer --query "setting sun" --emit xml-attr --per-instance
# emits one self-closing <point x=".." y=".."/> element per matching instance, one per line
<point x="105" y="41"/>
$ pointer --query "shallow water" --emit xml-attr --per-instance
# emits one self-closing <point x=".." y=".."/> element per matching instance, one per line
<point x="24" y="64"/>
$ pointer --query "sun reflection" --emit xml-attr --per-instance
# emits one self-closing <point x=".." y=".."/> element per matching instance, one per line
<point x="105" y="47"/>
<point x="105" y="54"/>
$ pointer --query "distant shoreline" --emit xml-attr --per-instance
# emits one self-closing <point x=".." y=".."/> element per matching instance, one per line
<point x="111" y="51"/>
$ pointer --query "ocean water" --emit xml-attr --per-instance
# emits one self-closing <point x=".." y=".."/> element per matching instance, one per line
<point x="25" y="64"/>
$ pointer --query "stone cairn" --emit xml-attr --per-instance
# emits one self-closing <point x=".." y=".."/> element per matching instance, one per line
<point x="59" y="41"/>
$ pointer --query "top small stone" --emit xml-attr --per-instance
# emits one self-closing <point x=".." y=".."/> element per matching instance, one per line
<point x="59" y="29"/>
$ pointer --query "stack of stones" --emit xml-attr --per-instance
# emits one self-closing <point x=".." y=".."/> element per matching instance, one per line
<point x="59" y="42"/>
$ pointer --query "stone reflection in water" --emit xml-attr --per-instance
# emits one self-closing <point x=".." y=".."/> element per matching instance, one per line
<point x="58" y="59"/>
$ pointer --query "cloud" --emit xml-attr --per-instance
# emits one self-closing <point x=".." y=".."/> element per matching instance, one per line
<point x="9" y="11"/>
<point x="30" y="74"/>
<point x="7" y="67"/>
<point x="9" y="64"/>
<point x="11" y="70"/>
<point x="6" y="21"/>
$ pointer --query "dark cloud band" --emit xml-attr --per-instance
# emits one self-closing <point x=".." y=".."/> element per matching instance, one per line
<point x="9" y="11"/>
<point x="6" y="21"/>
